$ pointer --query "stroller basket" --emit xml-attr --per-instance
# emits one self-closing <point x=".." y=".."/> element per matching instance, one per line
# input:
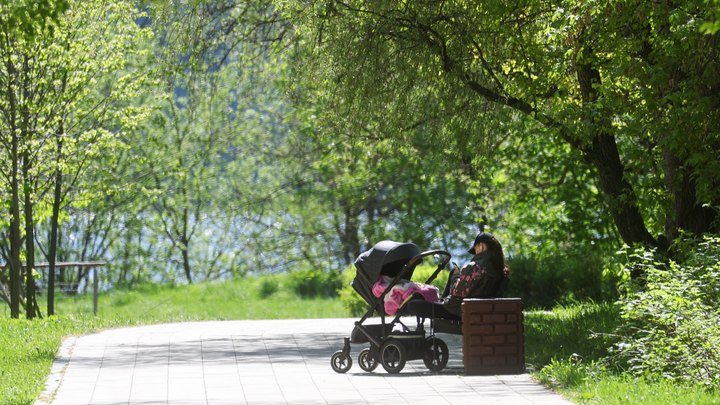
<point x="358" y="336"/>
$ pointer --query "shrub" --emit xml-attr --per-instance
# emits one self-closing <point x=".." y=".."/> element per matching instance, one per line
<point x="561" y="279"/>
<point x="351" y="300"/>
<point x="673" y="317"/>
<point x="268" y="286"/>
<point x="314" y="283"/>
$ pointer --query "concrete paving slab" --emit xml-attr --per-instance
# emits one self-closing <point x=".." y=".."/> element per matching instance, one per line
<point x="260" y="362"/>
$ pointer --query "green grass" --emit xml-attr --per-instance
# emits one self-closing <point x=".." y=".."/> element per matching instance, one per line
<point x="580" y="330"/>
<point x="27" y="348"/>
<point x="566" y="349"/>
<point x="623" y="390"/>
<point x="239" y="299"/>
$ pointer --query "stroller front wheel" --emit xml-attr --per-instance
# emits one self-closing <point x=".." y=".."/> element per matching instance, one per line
<point x="341" y="362"/>
<point x="367" y="361"/>
<point x="436" y="354"/>
<point x="393" y="356"/>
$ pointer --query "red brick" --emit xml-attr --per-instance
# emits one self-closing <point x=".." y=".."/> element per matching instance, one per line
<point x="506" y="350"/>
<point x="482" y="329"/>
<point x="506" y="328"/>
<point x="493" y="318"/>
<point x="471" y="361"/>
<point x="494" y="361"/>
<point x="493" y="337"/>
<point x="481" y="308"/>
<point x="480" y="351"/>
<point x="506" y="307"/>
<point x="494" y="340"/>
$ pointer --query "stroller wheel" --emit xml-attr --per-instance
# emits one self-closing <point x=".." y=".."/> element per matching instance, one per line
<point x="393" y="356"/>
<point x="367" y="361"/>
<point x="341" y="362"/>
<point x="436" y="354"/>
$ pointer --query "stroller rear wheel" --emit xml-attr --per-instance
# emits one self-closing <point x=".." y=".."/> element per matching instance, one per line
<point x="341" y="362"/>
<point x="436" y="354"/>
<point x="367" y="361"/>
<point x="393" y="356"/>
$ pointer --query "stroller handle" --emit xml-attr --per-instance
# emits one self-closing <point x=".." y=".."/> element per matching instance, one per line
<point x="428" y="253"/>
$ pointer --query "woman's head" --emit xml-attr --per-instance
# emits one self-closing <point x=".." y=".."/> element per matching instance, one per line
<point x="487" y="241"/>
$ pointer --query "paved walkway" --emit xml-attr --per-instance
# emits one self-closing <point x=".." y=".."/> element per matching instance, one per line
<point x="259" y="362"/>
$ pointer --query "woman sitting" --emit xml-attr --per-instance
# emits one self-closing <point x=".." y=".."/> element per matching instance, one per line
<point x="481" y="278"/>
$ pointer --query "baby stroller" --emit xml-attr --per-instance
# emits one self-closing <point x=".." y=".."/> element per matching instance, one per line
<point x="392" y="343"/>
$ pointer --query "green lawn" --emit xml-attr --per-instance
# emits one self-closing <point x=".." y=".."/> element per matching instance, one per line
<point x="566" y="348"/>
<point x="27" y="348"/>
<point x="560" y="346"/>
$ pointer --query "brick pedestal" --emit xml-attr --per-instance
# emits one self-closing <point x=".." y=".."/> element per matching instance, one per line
<point x="493" y="336"/>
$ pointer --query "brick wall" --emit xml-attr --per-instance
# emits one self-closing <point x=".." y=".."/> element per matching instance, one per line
<point x="493" y="336"/>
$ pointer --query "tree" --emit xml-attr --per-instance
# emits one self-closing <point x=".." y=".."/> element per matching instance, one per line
<point x="28" y="19"/>
<point x="193" y="134"/>
<point x="63" y="102"/>
<point x="713" y="25"/>
<point x="629" y="86"/>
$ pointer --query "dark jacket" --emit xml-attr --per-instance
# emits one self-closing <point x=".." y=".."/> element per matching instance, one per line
<point x="477" y="279"/>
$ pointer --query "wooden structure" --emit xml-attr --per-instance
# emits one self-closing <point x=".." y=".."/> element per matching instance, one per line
<point x="93" y="264"/>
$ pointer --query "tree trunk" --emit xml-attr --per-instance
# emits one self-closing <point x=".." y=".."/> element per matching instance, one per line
<point x="603" y="153"/>
<point x="57" y="200"/>
<point x="15" y="237"/>
<point x="686" y="214"/>
<point x="348" y="233"/>
<point x="29" y="239"/>
<point x="184" y="240"/>
<point x="27" y="135"/>
<point x="186" y="265"/>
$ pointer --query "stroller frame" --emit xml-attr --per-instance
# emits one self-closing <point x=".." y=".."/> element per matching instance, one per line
<point x="389" y="347"/>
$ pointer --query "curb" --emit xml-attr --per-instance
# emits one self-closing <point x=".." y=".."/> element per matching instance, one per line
<point x="57" y="372"/>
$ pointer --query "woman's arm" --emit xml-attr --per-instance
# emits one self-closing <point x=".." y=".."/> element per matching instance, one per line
<point x="469" y="278"/>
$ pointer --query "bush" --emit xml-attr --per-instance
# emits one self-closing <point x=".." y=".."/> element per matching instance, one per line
<point x="561" y="279"/>
<point x="673" y="317"/>
<point x="351" y="300"/>
<point x="314" y="283"/>
<point x="268" y="286"/>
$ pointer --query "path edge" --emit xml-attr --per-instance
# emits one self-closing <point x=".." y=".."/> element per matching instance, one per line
<point x="57" y="371"/>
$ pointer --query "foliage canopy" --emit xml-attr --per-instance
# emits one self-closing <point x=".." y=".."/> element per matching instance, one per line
<point x="628" y="87"/>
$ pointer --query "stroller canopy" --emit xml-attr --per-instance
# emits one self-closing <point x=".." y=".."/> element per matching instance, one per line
<point x="386" y="258"/>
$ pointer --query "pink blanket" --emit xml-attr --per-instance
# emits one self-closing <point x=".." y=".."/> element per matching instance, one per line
<point x="402" y="291"/>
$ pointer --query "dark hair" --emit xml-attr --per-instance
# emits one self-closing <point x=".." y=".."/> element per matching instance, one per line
<point x="498" y="256"/>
